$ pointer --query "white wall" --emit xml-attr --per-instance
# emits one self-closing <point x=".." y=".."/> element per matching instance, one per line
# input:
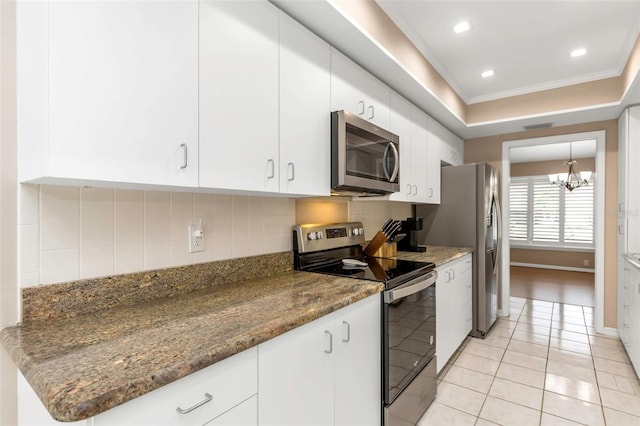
<point x="8" y="238"/>
<point x="68" y="233"/>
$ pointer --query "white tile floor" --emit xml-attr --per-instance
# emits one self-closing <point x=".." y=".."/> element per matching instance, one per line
<point x="542" y="366"/>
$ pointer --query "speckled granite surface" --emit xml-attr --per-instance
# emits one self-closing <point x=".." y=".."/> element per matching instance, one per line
<point x="80" y="297"/>
<point x="435" y="254"/>
<point x="81" y="365"/>
<point x="88" y="346"/>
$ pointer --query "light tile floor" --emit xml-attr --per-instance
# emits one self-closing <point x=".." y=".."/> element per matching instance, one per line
<point x="544" y="365"/>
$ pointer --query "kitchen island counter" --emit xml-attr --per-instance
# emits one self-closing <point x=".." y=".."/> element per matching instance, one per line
<point x="82" y="365"/>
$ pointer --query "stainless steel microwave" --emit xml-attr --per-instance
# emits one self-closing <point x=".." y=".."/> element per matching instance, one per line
<point x="365" y="159"/>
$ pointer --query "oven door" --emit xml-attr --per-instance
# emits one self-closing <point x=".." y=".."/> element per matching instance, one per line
<point x="409" y="346"/>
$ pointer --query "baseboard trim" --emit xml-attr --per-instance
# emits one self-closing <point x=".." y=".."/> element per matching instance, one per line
<point x="610" y="331"/>
<point x="555" y="267"/>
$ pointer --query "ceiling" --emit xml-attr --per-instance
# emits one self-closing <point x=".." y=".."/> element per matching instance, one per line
<point x="526" y="43"/>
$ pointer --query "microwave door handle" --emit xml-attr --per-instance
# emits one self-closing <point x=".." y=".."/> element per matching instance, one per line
<point x="384" y="162"/>
<point x="396" y="163"/>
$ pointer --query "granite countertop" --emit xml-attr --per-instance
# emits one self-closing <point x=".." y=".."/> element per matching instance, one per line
<point x="83" y="365"/>
<point x="435" y="254"/>
<point x="90" y="345"/>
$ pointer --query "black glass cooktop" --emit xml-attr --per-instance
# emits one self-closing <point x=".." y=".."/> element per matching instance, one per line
<point x="389" y="271"/>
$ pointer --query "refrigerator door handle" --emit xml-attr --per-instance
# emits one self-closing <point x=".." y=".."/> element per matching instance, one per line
<point x="499" y="233"/>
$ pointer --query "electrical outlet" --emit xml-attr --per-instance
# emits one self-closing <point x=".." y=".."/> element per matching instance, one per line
<point x="196" y="242"/>
<point x="585" y="262"/>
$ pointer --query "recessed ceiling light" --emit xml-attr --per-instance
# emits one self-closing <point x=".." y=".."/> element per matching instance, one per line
<point x="462" y="27"/>
<point x="578" y="52"/>
<point x="487" y="73"/>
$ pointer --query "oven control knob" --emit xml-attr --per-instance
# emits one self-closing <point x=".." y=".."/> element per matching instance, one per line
<point x="361" y="230"/>
<point x="355" y="231"/>
<point x="319" y="235"/>
<point x="311" y="235"/>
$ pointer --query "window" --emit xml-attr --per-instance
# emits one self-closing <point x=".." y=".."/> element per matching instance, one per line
<point x="541" y="214"/>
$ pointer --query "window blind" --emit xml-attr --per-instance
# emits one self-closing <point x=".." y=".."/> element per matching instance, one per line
<point x="544" y="214"/>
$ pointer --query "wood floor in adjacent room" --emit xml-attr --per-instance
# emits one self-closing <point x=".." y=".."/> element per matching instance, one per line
<point x="575" y="288"/>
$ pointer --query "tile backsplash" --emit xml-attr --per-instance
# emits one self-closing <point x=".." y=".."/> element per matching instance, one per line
<point x="69" y="233"/>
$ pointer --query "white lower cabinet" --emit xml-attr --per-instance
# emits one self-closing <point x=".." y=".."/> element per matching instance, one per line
<point x="224" y="385"/>
<point x="629" y="312"/>
<point x="453" y="307"/>
<point x="326" y="372"/>
<point x="243" y="414"/>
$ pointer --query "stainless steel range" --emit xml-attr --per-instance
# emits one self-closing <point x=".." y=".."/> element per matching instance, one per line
<point x="408" y="306"/>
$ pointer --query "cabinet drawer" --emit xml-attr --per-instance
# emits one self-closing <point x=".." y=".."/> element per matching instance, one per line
<point x="228" y="382"/>
<point x="245" y="414"/>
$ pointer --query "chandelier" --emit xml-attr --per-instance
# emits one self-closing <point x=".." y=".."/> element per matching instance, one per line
<point x="570" y="180"/>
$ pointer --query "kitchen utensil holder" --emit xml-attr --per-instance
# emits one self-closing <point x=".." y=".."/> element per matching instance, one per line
<point x="387" y="250"/>
<point x="376" y="242"/>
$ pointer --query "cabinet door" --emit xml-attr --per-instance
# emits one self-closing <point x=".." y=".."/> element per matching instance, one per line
<point x="305" y="122"/>
<point x="123" y="91"/>
<point x="245" y="414"/>
<point x="355" y="90"/>
<point x="434" y="155"/>
<point x="358" y="380"/>
<point x="444" y="348"/>
<point x="295" y="376"/>
<point x="400" y="123"/>
<point x="420" y="163"/>
<point x="239" y="95"/>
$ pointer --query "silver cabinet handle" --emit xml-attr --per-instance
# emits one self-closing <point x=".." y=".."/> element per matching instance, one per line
<point x="415" y="189"/>
<point x="448" y="276"/>
<point x="207" y="398"/>
<point x="291" y="171"/>
<point x="346" y="327"/>
<point x="430" y="192"/>
<point x="453" y="274"/>
<point x="330" y="349"/>
<point x="621" y="229"/>
<point x="621" y="207"/>
<point x="184" y="155"/>
<point x="408" y="189"/>
<point x="272" y="167"/>
<point x="360" y="104"/>
<point x="372" y="112"/>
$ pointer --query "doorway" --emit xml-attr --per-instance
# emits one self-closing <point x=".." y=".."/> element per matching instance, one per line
<point x="598" y="222"/>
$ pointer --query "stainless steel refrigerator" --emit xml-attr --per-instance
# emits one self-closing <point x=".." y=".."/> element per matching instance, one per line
<point x="469" y="216"/>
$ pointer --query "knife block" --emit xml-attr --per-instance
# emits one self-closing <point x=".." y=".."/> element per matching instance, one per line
<point x="387" y="250"/>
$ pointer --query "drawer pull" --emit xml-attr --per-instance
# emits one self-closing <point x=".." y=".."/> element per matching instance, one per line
<point x="207" y="398"/>
<point x="346" y="332"/>
<point x="329" y="349"/>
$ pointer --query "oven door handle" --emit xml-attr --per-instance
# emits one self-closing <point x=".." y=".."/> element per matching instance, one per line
<point x="414" y="286"/>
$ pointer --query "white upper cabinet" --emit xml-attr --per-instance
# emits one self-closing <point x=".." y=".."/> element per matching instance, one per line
<point x="108" y="92"/>
<point x="448" y="146"/>
<point x="444" y="149"/>
<point x="400" y="123"/>
<point x="355" y="90"/>
<point x="419" y="161"/>
<point x="239" y="95"/>
<point x="410" y="123"/>
<point x="305" y="122"/>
